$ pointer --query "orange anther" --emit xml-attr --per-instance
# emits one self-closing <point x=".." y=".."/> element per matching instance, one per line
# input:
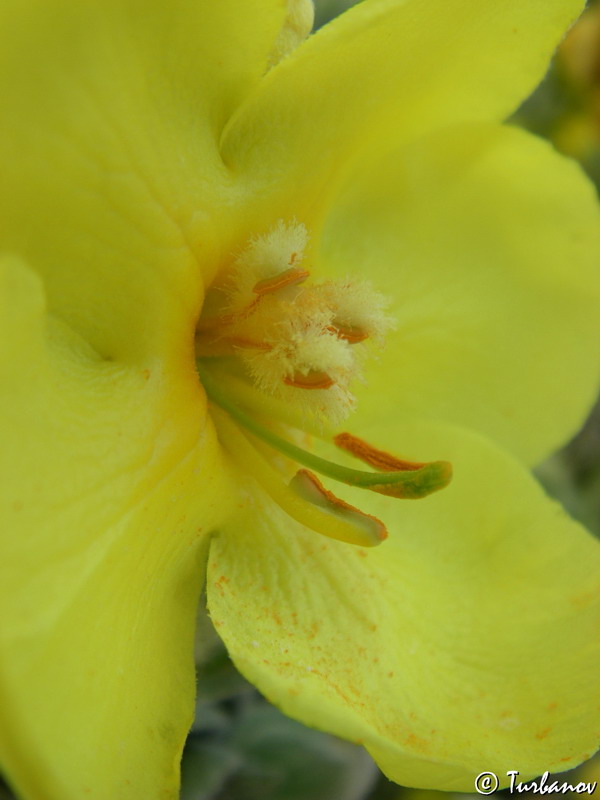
<point x="286" y="278"/>
<point x="314" y="380"/>
<point x="247" y="344"/>
<point x="378" y="459"/>
<point x="227" y="319"/>
<point x="313" y="489"/>
<point x="348" y="333"/>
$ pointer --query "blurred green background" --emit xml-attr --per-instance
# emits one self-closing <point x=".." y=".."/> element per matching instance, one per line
<point x="240" y="747"/>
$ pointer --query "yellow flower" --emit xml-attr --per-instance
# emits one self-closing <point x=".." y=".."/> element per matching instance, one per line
<point x="143" y="150"/>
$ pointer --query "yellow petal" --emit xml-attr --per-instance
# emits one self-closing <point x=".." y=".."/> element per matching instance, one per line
<point x="386" y="70"/>
<point x="109" y="164"/>
<point x="468" y="641"/>
<point x="111" y="480"/>
<point x="489" y="243"/>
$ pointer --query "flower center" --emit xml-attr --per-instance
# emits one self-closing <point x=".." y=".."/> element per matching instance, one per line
<point x="279" y="352"/>
<point x="290" y="334"/>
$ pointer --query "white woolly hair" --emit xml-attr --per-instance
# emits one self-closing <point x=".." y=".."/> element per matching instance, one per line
<point x="265" y="256"/>
<point x="297" y="329"/>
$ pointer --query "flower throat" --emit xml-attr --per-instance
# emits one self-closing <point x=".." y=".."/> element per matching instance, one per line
<point x="277" y="356"/>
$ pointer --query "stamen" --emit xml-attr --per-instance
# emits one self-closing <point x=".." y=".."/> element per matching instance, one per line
<point x="261" y="338"/>
<point x="349" y="528"/>
<point x="228" y="319"/>
<point x="308" y="486"/>
<point x="288" y="277"/>
<point x="402" y="484"/>
<point x="217" y="347"/>
<point x="313" y="380"/>
<point x="291" y="337"/>
<point x="348" y="333"/>
<point x="378" y="459"/>
<point x="248" y="344"/>
<point x="265" y="406"/>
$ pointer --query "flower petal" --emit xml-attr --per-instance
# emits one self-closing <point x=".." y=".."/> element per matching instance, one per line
<point x="111" y="479"/>
<point x="489" y="244"/>
<point x="468" y="641"/>
<point x="111" y="177"/>
<point x="387" y="70"/>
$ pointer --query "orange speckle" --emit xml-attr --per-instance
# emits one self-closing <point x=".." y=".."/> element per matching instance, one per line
<point x="361" y="553"/>
<point x="146" y="373"/>
<point x="543" y="734"/>
<point x="552" y="706"/>
<point x="416" y="742"/>
<point x="314" y="629"/>
<point x="584" y="599"/>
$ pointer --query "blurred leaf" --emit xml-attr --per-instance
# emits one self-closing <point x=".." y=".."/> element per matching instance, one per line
<point x="218" y="679"/>
<point x="205" y="769"/>
<point x="326" y="10"/>
<point x="5" y="793"/>
<point x="244" y="749"/>
<point x="286" y="761"/>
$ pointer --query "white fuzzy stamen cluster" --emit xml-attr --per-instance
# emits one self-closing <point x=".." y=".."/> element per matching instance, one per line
<point x="294" y="332"/>
<point x="264" y="257"/>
